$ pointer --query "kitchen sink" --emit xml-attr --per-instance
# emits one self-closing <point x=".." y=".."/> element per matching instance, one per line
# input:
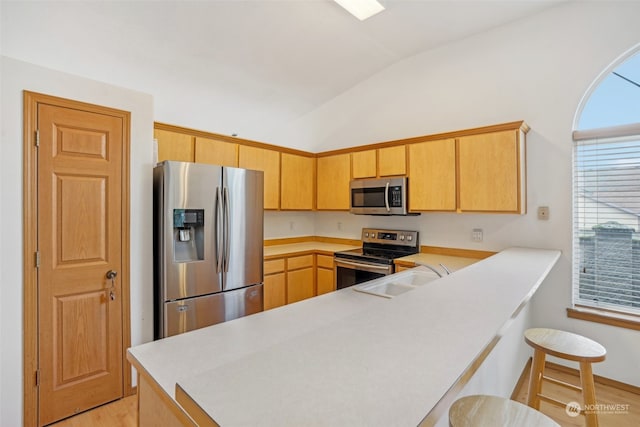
<point x="399" y="283"/>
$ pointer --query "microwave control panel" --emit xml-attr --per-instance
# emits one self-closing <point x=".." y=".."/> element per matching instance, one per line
<point x="395" y="196"/>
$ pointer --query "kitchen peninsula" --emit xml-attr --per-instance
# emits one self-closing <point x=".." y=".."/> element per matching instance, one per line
<point x="343" y="358"/>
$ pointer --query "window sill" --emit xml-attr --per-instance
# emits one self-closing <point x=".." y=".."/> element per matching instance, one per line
<point x="605" y="317"/>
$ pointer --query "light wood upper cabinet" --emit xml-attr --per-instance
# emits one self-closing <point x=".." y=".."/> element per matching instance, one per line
<point x="297" y="187"/>
<point x="174" y="146"/>
<point x="392" y="161"/>
<point x="491" y="172"/>
<point x="364" y="164"/>
<point x="216" y="152"/>
<point x="267" y="161"/>
<point x="432" y="175"/>
<point x="333" y="176"/>
<point x="388" y="161"/>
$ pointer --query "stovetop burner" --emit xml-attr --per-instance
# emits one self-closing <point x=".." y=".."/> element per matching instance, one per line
<point x="383" y="246"/>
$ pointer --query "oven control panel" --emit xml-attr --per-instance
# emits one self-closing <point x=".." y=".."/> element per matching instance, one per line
<point x="390" y="237"/>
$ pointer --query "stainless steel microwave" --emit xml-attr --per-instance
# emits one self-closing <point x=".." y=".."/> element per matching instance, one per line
<point x="379" y="196"/>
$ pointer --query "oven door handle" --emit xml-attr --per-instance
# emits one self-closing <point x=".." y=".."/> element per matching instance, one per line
<point x="366" y="266"/>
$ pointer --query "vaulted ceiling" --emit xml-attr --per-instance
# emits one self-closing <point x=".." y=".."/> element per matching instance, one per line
<point x="267" y="60"/>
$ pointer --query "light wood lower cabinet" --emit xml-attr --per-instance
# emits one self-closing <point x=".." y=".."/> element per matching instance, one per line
<point x="275" y="293"/>
<point x="300" y="285"/>
<point x="297" y="277"/>
<point x="300" y="280"/>
<point x="325" y="281"/>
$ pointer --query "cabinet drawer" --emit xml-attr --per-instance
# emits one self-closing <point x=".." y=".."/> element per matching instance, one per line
<point x="274" y="266"/>
<point x="324" y="261"/>
<point x="296" y="262"/>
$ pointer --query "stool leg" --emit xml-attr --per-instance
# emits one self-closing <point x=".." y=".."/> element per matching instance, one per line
<point x="535" y="379"/>
<point x="588" y="393"/>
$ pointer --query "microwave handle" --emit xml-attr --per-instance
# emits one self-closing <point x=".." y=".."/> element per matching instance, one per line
<point x="386" y="197"/>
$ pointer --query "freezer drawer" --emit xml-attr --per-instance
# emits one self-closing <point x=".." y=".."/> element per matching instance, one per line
<point x="194" y="313"/>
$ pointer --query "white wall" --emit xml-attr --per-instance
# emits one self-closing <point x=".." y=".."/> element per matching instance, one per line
<point x="537" y="70"/>
<point x="16" y="77"/>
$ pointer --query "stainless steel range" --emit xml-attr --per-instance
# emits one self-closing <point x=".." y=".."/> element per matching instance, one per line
<point x="375" y="258"/>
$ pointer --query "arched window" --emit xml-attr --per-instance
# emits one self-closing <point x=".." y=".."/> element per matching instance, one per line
<point x="606" y="199"/>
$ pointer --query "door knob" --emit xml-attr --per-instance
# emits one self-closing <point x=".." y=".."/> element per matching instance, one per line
<point x="111" y="275"/>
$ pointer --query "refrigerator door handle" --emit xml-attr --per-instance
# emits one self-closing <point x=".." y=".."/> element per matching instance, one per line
<point x="218" y="230"/>
<point x="227" y="230"/>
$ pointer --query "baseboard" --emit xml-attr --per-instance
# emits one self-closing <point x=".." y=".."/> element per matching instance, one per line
<point x="523" y="377"/>
<point x="573" y="371"/>
<point x="597" y="378"/>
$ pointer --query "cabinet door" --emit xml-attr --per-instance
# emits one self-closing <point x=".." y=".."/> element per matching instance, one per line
<point x="333" y="176"/>
<point x="363" y="164"/>
<point x="392" y="161"/>
<point x="174" y="146"/>
<point x="297" y="189"/>
<point x="267" y="161"/>
<point x="489" y="171"/>
<point x="325" y="281"/>
<point x="274" y="291"/>
<point x="216" y="152"/>
<point x="300" y="285"/>
<point x="432" y="175"/>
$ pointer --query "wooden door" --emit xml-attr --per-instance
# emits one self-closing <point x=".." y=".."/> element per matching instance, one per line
<point x="79" y="223"/>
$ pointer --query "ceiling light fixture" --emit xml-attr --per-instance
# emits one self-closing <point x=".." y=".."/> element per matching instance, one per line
<point x="361" y="9"/>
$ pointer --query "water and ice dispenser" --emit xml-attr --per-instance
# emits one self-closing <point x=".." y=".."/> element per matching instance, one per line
<point x="188" y="235"/>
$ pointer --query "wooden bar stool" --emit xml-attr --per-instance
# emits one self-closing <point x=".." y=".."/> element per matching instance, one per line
<point x="568" y="346"/>
<point x="494" y="411"/>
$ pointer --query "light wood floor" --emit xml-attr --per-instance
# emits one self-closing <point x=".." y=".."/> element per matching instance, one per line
<point x="122" y="413"/>
<point x="605" y="394"/>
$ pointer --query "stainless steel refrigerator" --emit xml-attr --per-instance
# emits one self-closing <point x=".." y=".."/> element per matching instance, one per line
<point x="208" y="245"/>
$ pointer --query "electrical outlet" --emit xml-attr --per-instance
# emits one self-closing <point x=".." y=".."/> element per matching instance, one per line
<point x="339" y="226"/>
<point x="543" y="212"/>
<point x="291" y="225"/>
<point x="476" y="234"/>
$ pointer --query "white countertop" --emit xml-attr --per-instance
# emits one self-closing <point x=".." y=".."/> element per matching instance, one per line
<point x="348" y="358"/>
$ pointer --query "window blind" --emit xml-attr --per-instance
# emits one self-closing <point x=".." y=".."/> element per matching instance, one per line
<point x="607" y="223"/>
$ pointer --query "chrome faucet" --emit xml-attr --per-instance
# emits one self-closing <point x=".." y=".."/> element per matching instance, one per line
<point x="445" y="268"/>
<point x="430" y="268"/>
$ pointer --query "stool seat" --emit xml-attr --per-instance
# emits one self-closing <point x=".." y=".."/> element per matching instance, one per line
<point x="494" y="411"/>
<point x="568" y="346"/>
<point x="565" y="345"/>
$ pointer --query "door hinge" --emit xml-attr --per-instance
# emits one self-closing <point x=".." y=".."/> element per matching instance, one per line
<point x="37" y="259"/>
<point x="37" y="138"/>
<point x="37" y="377"/>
